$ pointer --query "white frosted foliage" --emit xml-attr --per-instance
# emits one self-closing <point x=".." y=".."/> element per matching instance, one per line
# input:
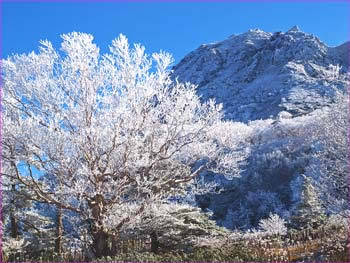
<point x="113" y="131"/>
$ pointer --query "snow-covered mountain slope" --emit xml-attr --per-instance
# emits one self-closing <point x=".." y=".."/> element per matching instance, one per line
<point x="258" y="74"/>
<point x="279" y="81"/>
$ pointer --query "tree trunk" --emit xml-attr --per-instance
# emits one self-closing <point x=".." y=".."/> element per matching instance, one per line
<point x="14" y="224"/>
<point x="59" y="231"/>
<point x="100" y="243"/>
<point x="115" y="245"/>
<point x="99" y="236"/>
<point x="154" y="242"/>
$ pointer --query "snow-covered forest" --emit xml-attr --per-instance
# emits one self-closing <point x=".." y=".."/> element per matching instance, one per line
<point x="114" y="157"/>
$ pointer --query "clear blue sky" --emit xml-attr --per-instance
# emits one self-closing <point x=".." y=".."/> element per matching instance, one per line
<point x="176" y="27"/>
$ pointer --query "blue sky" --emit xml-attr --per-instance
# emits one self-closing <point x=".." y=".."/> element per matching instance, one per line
<point x="176" y="27"/>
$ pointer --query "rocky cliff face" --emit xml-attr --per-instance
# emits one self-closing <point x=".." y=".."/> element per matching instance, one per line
<point x="265" y="77"/>
<point x="257" y="74"/>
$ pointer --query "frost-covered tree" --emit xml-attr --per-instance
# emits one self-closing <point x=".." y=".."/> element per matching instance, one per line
<point x="114" y="131"/>
<point x="309" y="212"/>
<point x="273" y="225"/>
<point x="24" y="222"/>
<point x="331" y="153"/>
<point x="174" y="226"/>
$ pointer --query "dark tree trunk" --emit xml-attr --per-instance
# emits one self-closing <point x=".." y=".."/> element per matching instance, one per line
<point x="100" y="243"/>
<point x="14" y="226"/>
<point x="99" y="236"/>
<point x="59" y="231"/>
<point x="14" y="223"/>
<point x="154" y="242"/>
<point x="115" y="244"/>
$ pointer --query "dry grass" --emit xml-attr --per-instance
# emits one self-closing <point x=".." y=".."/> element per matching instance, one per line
<point x="330" y="245"/>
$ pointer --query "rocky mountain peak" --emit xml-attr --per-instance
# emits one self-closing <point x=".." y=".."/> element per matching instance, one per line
<point x="258" y="74"/>
<point x="294" y="29"/>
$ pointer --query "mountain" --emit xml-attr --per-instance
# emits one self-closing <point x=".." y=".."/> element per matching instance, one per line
<point x="258" y="74"/>
<point x="278" y="83"/>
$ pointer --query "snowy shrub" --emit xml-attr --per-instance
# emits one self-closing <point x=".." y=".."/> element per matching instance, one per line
<point x="273" y="225"/>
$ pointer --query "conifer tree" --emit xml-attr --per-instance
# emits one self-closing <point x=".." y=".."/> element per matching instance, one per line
<point x="309" y="212"/>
